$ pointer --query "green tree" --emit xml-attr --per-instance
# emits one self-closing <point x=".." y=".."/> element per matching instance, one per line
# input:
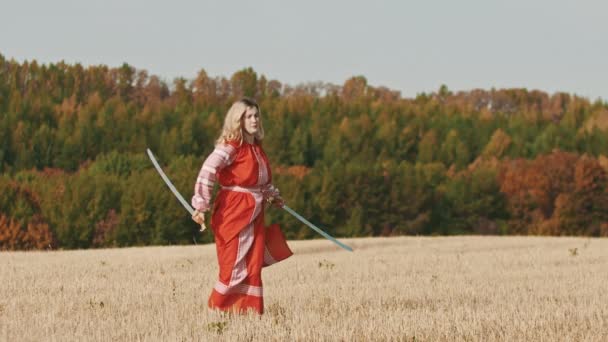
<point x="244" y="83"/>
<point x="428" y="147"/>
<point x="454" y="151"/>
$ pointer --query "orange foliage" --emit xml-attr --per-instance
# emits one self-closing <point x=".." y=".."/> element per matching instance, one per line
<point x="603" y="162"/>
<point x="589" y="175"/>
<point x="10" y="233"/>
<point x="36" y="235"/>
<point x="556" y="194"/>
<point x="604" y="229"/>
<point x="533" y="187"/>
<point x="297" y="171"/>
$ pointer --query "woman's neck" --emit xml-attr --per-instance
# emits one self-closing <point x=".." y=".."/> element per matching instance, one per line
<point x="248" y="137"/>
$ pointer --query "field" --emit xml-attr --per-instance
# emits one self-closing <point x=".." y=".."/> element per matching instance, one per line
<point x="409" y="288"/>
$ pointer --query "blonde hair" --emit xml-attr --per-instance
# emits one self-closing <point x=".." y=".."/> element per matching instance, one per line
<point x="233" y="123"/>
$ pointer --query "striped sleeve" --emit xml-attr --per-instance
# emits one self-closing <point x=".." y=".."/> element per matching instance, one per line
<point x="222" y="156"/>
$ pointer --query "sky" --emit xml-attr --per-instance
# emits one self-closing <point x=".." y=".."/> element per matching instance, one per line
<point x="409" y="46"/>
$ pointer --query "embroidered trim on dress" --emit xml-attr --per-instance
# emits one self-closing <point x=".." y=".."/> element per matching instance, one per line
<point x="250" y="290"/>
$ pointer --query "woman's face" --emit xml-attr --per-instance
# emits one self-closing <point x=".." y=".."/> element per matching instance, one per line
<point x="251" y="120"/>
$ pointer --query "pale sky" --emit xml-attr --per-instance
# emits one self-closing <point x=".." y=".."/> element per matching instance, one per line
<point x="410" y="46"/>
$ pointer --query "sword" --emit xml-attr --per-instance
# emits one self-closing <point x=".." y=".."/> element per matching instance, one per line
<point x="171" y="187"/>
<point x="316" y="229"/>
<point x="285" y="207"/>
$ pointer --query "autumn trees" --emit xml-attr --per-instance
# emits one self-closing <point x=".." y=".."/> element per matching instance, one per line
<point x="21" y="223"/>
<point x="357" y="159"/>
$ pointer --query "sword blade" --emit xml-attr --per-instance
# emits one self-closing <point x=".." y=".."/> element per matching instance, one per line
<point x="169" y="184"/>
<point x="316" y="229"/>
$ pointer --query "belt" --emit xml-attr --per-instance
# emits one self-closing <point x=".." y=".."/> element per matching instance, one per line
<point x="253" y="190"/>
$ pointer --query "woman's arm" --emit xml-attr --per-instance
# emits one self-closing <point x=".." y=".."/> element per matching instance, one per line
<point x="222" y="156"/>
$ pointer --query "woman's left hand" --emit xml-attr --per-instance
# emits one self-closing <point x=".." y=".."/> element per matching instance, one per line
<point x="276" y="201"/>
<point x="272" y="195"/>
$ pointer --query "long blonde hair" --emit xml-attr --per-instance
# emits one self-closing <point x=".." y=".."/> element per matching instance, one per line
<point x="233" y="123"/>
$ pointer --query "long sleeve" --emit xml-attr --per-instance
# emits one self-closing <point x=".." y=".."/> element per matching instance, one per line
<point x="222" y="156"/>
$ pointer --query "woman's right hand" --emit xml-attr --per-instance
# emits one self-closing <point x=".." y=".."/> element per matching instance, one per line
<point x="199" y="217"/>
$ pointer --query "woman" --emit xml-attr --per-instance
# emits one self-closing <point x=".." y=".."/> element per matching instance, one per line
<point x="243" y="244"/>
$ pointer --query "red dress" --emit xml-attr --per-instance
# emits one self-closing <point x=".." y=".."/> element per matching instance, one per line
<point x="244" y="245"/>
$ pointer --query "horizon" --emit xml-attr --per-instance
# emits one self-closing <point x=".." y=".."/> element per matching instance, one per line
<point x="413" y="48"/>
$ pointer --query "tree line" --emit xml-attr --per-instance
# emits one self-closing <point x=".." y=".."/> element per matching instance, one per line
<point x="357" y="159"/>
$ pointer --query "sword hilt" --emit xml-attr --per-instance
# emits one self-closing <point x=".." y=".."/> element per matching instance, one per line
<point x="270" y="200"/>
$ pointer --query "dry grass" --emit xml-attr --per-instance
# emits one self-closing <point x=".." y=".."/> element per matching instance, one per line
<point x="443" y="288"/>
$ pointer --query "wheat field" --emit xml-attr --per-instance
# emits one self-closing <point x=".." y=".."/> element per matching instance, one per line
<point x="468" y="288"/>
